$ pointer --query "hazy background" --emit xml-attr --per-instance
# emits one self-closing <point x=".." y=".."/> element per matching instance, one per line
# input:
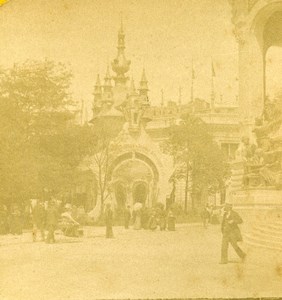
<point x="162" y="36"/>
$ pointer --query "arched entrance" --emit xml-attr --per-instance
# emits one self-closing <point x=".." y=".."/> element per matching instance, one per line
<point x="139" y="180"/>
<point x="273" y="55"/>
<point x="120" y="194"/>
<point x="140" y="193"/>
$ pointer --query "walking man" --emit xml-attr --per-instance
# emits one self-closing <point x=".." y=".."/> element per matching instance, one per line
<point x="206" y="215"/>
<point x="230" y="233"/>
<point x="109" y="221"/>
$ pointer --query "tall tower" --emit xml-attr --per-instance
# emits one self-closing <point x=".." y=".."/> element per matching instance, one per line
<point x="143" y="89"/>
<point x="120" y="64"/>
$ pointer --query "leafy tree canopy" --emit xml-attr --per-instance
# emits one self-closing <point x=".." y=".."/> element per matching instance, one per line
<point x="191" y="142"/>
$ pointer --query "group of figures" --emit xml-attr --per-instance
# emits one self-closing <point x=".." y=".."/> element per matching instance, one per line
<point x="52" y="215"/>
<point x="142" y="217"/>
<point x="11" y="220"/>
<point x="263" y="160"/>
<point x="42" y="216"/>
<point x="145" y="218"/>
<point x="55" y="215"/>
<point x="210" y="214"/>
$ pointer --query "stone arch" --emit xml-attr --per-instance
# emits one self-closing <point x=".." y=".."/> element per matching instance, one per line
<point x="260" y="17"/>
<point x="132" y="156"/>
<point x="250" y="27"/>
<point x="138" y="172"/>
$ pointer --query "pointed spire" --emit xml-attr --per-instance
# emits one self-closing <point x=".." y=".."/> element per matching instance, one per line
<point x="121" y="35"/>
<point x="108" y="81"/>
<point x="132" y="87"/>
<point x="107" y="88"/>
<point x="120" y="64"/>
<point x="121" y="23"/>
<point x="97" y="89"/>
<point x="143" y="89"/>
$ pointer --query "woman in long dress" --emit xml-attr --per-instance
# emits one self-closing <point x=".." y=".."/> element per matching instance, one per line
<point x="153" y="224"/>
<point x="137" y="223"/>
<point x="170" y="221"/>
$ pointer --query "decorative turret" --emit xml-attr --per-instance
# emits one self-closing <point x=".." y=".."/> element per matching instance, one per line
<point x="134" y="109"/>
<point x="97" y="90"/>
<point x="120" y="64"/>
<point x="108" y="89"/>
<point x="143" y="89"/>
<point x="132" y="88"/>
<point x="97" y="96"/>
<point x="108" y="81"/>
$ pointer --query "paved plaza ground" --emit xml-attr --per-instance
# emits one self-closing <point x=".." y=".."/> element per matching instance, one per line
<point x="135" y="264"/>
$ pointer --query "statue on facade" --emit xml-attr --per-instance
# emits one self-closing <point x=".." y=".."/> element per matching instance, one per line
<point x="245" y="151"/>
<point x="263" y="167"/>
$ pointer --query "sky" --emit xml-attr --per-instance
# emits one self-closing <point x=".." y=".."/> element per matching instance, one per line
<point x="163" y="36"/>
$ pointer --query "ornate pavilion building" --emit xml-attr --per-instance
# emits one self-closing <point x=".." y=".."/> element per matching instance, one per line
<point x="141" y="172"/>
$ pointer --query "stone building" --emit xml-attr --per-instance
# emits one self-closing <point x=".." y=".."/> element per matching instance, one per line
<point x="141" y="172"/>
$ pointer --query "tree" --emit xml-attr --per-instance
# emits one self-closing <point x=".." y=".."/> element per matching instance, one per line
<point x="105" y="130"/>
<point x="37" y="113"/>
<point x="195" y="152"/>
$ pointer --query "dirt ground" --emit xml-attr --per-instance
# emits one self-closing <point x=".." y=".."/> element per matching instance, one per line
<point x="135" y="264"/>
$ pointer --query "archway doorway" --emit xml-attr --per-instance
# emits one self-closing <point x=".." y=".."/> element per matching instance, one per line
<point x="140" y="193"/>
<point x="273" y="55"/>
<point x="120" y="193"/>
<point x="273" y="72"/>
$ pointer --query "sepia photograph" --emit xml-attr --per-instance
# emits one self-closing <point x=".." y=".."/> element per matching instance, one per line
<point x="140" y="149"/>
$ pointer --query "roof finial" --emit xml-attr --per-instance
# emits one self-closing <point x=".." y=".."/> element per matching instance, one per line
<point x="120" y="64"/>
<point x="121" y="22"/>
<point x="108" y="80"/>
<point x="143" y="90"/>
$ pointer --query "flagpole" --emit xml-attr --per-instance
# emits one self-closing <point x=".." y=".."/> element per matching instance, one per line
<point x="192" y="82"/>
<point x="212" y="87"/>
<point x="162" y="98"/>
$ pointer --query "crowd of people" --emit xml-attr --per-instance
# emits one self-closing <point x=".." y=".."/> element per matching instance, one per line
<point x="211" y="215"/>
<point x="11" y="220"/>
<point x="53" y="214"/>
<point x="42" y="216"/>
<point x="141" y="217"/>
<point x="145" y="218"/>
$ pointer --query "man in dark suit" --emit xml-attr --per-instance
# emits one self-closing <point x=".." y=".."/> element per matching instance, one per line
<point x="109" y="221"/>
<point x="230" y="233"/>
